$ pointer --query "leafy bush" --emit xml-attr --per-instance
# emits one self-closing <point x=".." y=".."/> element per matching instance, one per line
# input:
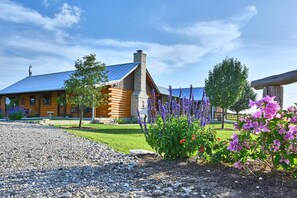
<point x="276" y="132"/>
<point x="131" y="120"/>
<point x="1" y="114"/>
<point x="177" y="127"/>
<point x="16" y="113"/>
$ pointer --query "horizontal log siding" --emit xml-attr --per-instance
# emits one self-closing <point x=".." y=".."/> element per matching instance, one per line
<point x="119" y="103"/>
<point x="53" y="106"/>
<point x="2" y="104"/>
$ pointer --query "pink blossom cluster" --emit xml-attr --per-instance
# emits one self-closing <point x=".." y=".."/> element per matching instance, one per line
<point x="267" y="107"/>
<point x="276" y="129"/>
<point x="234" y="144"/>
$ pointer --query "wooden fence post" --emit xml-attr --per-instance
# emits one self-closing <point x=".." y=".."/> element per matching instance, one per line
<point x="272" y="85"/>
<point x="277" y="91"/>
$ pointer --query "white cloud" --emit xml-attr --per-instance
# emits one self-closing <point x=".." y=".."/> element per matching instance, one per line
<point x="66" y="17"/>
<point x="47" y="3"/>
<point x="216" y="35"/>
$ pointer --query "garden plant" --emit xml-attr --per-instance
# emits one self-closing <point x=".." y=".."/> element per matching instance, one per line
<point x="177" y="128"/>
<point x="276" y="137"/>
<point x="16" y="113"/>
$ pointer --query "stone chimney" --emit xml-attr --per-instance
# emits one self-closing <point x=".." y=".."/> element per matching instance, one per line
<point x="139" y="96"/>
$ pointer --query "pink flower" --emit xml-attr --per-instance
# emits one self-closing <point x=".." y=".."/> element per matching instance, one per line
<point x="284" y="160"/>
<point x="236" y="126"/>
<point x="252" y="103"/>
<point x="276" y="145"/>
<point x="293" y="120"/>
<point x="262" y="128"/>
<point x="238" y="165"/>
<point x="289" y="135"/>
<point x="292" y="109"/>
<point x="271" y="109"/>
<point x="276" y="142"/>
<point x="282" y="131"/>
<point x="234" y="144"/>
<point x="257" y="114"/>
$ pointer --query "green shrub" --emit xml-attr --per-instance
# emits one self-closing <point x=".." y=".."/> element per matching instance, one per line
<point x="177" y="127"/>
<point x="131" y="120"/>
<point x="1" y="114"/>
<point x="176" y="138"/>
<point x="16" y="113"/>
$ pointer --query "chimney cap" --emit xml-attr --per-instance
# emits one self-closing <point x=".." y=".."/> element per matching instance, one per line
<point x="139" y="51"/>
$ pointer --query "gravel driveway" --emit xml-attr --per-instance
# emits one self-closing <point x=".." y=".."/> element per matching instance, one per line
<point x="43" y="161"/>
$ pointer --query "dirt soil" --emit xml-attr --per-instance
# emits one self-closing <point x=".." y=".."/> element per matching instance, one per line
<point x="212" y="181"/>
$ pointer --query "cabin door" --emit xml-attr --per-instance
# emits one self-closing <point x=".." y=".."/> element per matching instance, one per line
<point x="61" y="105"/>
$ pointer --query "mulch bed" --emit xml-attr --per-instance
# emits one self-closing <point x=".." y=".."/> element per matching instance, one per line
<point x="214" y="180"/>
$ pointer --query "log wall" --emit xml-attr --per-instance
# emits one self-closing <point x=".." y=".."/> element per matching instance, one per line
<point x="119" y="103"/>
<point x="2" y="104"/>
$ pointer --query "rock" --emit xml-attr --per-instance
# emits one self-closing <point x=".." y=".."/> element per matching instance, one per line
<point x="168" y="189"/>
<point x="65" y="195"/>
<point x="158" y="192"/>
<point x="177" y="184"/>
<point x="187" y="190"/>
<point x="135" y="152"/>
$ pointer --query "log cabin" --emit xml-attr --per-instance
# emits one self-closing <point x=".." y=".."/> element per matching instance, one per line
<point x="129" y="86"/>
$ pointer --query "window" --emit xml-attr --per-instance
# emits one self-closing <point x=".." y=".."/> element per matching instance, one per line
<point x="46" y="99"/>
<point x="32" y="100"/>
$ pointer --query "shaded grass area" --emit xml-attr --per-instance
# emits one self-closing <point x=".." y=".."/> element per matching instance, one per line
<point x="122" y="138"/>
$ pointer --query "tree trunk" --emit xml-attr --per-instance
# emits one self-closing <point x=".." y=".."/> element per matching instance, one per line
<point x="81" y="115"/>
<point x="223" y="117"/>
<point x="237" y="116"/>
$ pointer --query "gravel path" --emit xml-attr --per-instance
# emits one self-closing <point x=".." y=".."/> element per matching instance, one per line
<point x="44" y="161"/>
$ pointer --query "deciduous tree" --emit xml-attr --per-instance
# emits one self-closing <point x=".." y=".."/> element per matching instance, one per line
<point x="85" y="86"/>
<point x="225" y="83"/>
<point x="243" y="102"/>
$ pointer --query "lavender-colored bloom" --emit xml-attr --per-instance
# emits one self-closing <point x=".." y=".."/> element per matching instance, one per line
<point x="282" y="131"/>
<point x="292" y="109"/>
<point x="289" y="135"/>
<point x="276" y="142"/>
<point x="159" y="106"/>
<point x="145" y="126"/>
<point x="238" y="165"/>
<point x="190" y="121"/>
<point x="234" y="144"/>
<point x="293" y="120"/>
<point x="257" y="114"/>
<point x="163" y="114"/>
<point x="262" y="128"/>
<point x="276" y="145"/>
<point x="284" y="160"/>
<point x="15" y="110"/>
<point x="170" y="99"/>
<point x="203" y="121"/>
<point x="191" y="92"/>
<point x="139" y="120"/>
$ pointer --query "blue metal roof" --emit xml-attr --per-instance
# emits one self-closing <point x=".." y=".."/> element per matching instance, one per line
<point x="196" y="91"/>
<point x="55" y="81"/>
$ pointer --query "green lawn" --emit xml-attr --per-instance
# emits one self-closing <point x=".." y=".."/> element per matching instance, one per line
<point x="125" y="137"/>
<point x="119" y="137"/>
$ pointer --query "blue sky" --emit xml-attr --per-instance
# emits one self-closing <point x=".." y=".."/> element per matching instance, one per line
<point x="183" y="40"/>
